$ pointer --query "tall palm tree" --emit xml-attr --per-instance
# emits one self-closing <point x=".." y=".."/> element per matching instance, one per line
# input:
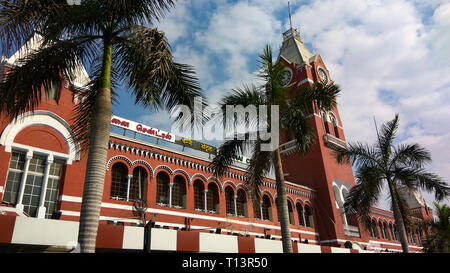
<point x="110" y="38"/>
<point x="401" y="168"/>
<point x="294" y="122"/>
<point x="437" y="233"/>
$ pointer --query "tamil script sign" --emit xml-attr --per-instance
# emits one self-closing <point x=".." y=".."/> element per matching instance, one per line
<point x="142" y="129"/>
<point x="153" y="132"/>
<point x="196" y="145"/>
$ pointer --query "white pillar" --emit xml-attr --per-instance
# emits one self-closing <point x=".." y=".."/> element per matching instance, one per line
<point x="170" y="194"/>
<point x="42" y="209"/>
<point x="303" y="216"/>
<point x="235" y="205"/>
<point x="19" y="204"/>
<point x="261" y="210"/>
<point x="129" y="177"/>
<point x="205" y="192"/>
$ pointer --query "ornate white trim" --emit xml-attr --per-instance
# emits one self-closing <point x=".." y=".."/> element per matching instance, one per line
<point x="43" y="118"/>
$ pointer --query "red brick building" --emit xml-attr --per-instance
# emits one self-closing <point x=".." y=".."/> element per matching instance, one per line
<point x="42" y="175"/>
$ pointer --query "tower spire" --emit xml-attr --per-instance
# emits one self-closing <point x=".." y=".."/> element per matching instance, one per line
<point x="290" y="18"/>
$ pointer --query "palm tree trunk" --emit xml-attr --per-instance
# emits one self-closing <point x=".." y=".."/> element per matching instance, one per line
<point x="283" y="213"/>
<point x="398" y="219"/>
<point x="96" y="163"/>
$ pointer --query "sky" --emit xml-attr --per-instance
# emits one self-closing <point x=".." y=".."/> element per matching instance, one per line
<point x="388" y="56"/>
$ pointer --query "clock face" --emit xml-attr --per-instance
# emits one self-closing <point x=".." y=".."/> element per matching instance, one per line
<point x="286" y="77"/>
<point x="323" y="75"/>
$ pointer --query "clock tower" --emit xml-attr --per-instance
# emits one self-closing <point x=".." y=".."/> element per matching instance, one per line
<point x="318" y="169"/>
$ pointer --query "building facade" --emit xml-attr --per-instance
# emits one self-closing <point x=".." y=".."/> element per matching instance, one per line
<point x="42" y="176"/>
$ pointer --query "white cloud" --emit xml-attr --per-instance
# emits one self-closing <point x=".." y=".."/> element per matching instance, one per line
<point x="373" y="49"/>
<point x="386" y="46"/>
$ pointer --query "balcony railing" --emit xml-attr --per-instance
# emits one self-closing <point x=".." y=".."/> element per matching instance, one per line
<point x="334" y="141"/>
<point x="351" y="231"/>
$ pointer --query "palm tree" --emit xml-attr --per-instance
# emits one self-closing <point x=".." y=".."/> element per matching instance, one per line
<point x="110" y="38"/>
<point x="294" y="122"/>
<point x="400" y="167"/>
<point x="438" y="233"/>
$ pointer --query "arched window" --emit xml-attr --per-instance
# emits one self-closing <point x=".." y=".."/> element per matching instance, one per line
<point x="257" y="207"/>
<point x="229" y="199"/>
<point x="119" y="181"/>
<point x="386" y="232"/>
<point x="413" y="238"/>
<point x="419" y="235"/>
<point x="393" y="232"/>
<point x="373" y="230"/>
<point x="179" y="192"/>
<point x="266" y="208"/>
<point x="324" y="122"/>
<point x="162" y="188"/>
<point x="334" y="128"/>
<point x="290" y="212"/>
<point x="309" y="220"/>
<point x="213" y="198"/>
<point x="199" y="198"/>
<point x="241" y="203"/>
<point x="138" y="186"/>
<point x="301" y="217"/>
<point x="396" y="233"/>
<point x="383" y="230"/>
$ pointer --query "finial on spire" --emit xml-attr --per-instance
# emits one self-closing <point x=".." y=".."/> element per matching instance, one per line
<point x="290" y="18"/>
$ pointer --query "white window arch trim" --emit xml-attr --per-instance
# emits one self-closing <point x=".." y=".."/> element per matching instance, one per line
<point x="44" y="118"/>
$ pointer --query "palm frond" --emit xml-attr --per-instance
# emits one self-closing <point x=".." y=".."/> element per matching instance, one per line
<point x="245" y="96"/>
<point x="144" y="12"/>
<point x="41" y="68"/>
<point x="296" y="123"/>
<point x="365" y="194"/>
<point x="82" y="114"/>
<point x="410" y="155"/>
<point x="413" y="178"/>
<point x="20" y="19"/>
<point x="357" y="154"/>
<point x="259" y="166"/>
<point x="226" y="154"/>
<point x="386" y="137"/>
<point x="145" y="60"/>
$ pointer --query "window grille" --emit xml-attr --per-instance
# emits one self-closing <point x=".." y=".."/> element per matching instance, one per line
<point x="138" y="185"/>
<point x="119" y="182"/>
<point x="241" y="203"/>
<point x="179" y="192"/>
<point x="199" y="199"/>
<point x="162" y="188"/>
<point x="229" y="199"/>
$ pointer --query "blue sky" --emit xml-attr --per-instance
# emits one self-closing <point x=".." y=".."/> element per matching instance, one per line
<point x="389" y="56"/>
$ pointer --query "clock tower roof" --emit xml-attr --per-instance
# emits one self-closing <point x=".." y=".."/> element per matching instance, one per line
<point x="294" y="50"/>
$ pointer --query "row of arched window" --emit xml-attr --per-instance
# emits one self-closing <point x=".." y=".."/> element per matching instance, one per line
<point x="382" y="230"/>
<point x="206" y="198"/>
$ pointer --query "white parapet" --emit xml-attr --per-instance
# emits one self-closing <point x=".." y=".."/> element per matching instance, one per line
<point x="339" y="250"/>
<point x="268" y="246"/>
<point x="305" y="248"/>
<point x="218" y="243"/>
<point x="164" y="239"/>
<point x="37" y="231"/>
